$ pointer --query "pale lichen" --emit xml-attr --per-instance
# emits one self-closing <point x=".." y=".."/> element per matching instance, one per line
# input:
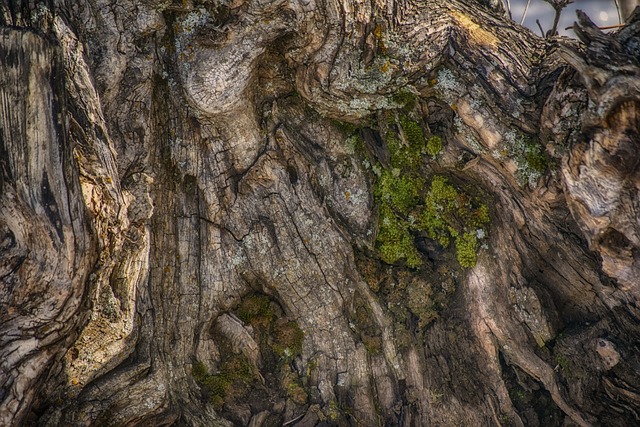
<point x="448" y="85"/>
<point x="529" y="157"/>
<point x="187" y="26"/>
<point x="468" y="136"/>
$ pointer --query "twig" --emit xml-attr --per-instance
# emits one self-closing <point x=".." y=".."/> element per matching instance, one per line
<point x="558" y="6"/>
<point x="556" y="19"/>
<point x="293" y="420"/>
<point x="526" y="9"/>
<point x="618" y="10"/>
<point x="610" y="27"/>
<point x="540" y="26"/>
<point x="508" y="4"/>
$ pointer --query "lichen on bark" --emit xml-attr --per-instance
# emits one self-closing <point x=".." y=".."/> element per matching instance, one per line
<point x="249" y="201"/>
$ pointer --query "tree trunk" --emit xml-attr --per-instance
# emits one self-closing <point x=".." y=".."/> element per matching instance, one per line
<point x="627" y="7"/>
<point x="316" y="213"/>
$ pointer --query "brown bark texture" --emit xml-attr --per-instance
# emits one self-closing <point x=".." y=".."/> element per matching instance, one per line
<point x="301" y="213"/>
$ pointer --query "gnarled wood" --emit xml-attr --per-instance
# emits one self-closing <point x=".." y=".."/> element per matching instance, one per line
<point x="178" y="176"/>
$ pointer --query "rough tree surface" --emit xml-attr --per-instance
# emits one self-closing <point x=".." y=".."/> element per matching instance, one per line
<point x="400" y="213"/>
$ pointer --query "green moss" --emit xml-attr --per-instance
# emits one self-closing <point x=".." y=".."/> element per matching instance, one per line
<point x="434" y="146"/>
<point x="419" y="299"/>
<point x="292" y="385"/>
<point x="404" y="98"/>
<point x="480" y="216"/>
<point x="517" y="394"/>
<point x="354" y="145"/>
<point x="287" y="339"/>
<point x="296" y="392"/>
<point x="466" y="246"/>
<point x="565" y="364"/>
<point x="347" y="128"/>
<point x="216" y="387"/>
<point x="405" y="153"/>
<point x="442" y="195"/>
<point x="401" y="155"/>
<point x="234" y="375"/>
<point x="366" y="326"/>
<point x="394" y="241"/>
<point x="447" y="214"/>
<point x="504" y="419"/>
<point x="399" y="192"/>
<point x="280" y="339"/>
<point x="536" y="161"/>
<point x="255" y="310"/>
<point x="333" y="411"/>
<point x="451" y="214"/>
<point x="373" y="345"/>
<point x="413" y="132"/>
<point x="444" y="213"/>
<point x="441" y="205"/>
<point x="199" y="371"/>
<point x="529" y="156"/>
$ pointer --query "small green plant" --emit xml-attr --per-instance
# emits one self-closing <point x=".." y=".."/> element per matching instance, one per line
<point x="287" y="339"/>
<point x="406" y="155"/>
<point x="504" y="419"/>
<point x="405" y="98"/>
<point x="434" y="146"/>
<point x="564" y="364"/>
<point x="234" y="375"/>
<point x="450" y="214"/>
<point x="517" y="394"/>
<point x="255" y="310"/>
<point x="394" y="240"/>
<point x="466" y="249"/>
<point x="529" y="156"/>
<point x="363" y="321"/>
<point x="399" y="192"/>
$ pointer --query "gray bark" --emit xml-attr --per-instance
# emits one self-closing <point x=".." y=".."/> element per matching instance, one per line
<point x="191" y="212"/>
<point x="627" y="7"/>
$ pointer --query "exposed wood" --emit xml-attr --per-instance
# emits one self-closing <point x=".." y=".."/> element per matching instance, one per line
<point x="192" y="205"/>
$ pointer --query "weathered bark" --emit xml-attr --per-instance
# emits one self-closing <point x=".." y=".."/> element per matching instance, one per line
<point x="627" y="7"/>
<point x="191" y="211"/>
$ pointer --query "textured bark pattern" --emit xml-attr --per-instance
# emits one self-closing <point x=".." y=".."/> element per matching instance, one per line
<point x="189" y="216"/>
<point x="47" y="249"/>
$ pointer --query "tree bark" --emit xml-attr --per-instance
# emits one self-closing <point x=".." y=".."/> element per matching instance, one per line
<point x="238" y="213"/>
<point x="627" y="7"/>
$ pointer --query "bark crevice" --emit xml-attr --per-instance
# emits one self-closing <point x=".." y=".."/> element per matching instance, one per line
<point x="191" y="205"/>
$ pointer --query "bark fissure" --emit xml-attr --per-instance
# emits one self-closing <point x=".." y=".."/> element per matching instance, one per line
<point x="164" y="165"/>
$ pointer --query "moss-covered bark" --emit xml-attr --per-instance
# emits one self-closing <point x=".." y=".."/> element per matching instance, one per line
<point x="315" y="213"/>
